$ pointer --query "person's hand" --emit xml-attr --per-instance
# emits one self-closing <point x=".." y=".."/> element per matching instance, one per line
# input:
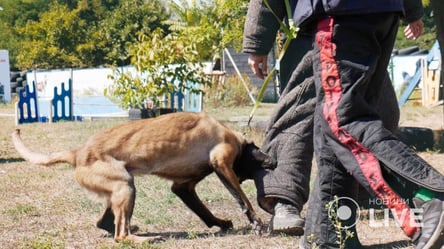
<point x="258" y="64"/>
<point x="414" y="29"/>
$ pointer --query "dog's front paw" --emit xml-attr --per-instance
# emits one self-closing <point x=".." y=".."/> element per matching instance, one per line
<point x="225" y="224"/>
<point x="257" y="227"/>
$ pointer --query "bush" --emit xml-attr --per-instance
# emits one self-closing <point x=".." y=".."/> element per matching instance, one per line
<point x="229" y="93"/>
<point x="163" y="64"/>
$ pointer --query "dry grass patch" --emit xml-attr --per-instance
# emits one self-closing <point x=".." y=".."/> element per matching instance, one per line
<point x="46" y="208"/>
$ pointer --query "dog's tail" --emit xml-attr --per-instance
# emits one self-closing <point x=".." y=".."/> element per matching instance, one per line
<point x="40" y="158"/>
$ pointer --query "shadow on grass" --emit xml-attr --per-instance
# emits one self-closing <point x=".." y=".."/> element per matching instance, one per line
<point x="194" y="235"/>
<point x="391" y="245"/>
<point x="11" y="160"/>
<point x="422" y="139"/>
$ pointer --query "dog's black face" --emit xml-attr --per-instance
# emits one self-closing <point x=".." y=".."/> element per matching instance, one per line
<point x="250" y="161"/>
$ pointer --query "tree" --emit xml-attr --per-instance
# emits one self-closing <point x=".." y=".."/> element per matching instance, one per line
<point x="163" y="64"/>
<point x="213" y="24"/>
<point x="14" y="14"/>
<point x="52" y="41"/>
<point x="232" y="13"/>
<point x="77" y="33"/>
<point x="8" y="41"/>
<point x="119" y="29"/>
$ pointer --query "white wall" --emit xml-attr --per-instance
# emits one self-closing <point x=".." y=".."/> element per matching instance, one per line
<point x="402" y="69"/>
<point x="5" y="79"/>
<point x="86" y="82"/>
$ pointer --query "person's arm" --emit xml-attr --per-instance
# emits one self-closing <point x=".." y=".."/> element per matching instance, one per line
<point x="258" y="64"/>
<point x="413" y="12"/>
<point x="414" y="29"/>
<point x="260" y="31"/>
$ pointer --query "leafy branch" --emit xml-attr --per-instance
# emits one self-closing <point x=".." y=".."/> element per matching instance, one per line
<point x="163" y="64"/>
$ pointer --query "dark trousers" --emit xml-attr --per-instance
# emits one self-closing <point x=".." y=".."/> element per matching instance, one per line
<point x="289" y="135"/>
<point x="350" y="141"/>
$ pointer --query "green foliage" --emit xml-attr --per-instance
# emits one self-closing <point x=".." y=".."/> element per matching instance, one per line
<point x="213" y="24"/>
<point x="43" y="242"/>
<point x="119" y="29"/>
<point x="8" y="40"/>
<point x="343" y="234"/>
<point x="20" y="210"/>
<point x="52" y="42"/>
<point x="76" y="33"/>
<point x="163" y="64"/>
<point x="16" y="13"/>
<point x="91" y="33"/>
<point x="311" y="240"/>
<point x="232" y="14"/>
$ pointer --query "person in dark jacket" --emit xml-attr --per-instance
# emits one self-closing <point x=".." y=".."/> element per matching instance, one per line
<point x="318" y="225"/>
<point x="283" y="192"/>
<point x="352" y="48"/>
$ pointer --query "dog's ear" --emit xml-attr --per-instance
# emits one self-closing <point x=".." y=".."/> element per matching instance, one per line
<point x="265" y="160"/>
<point x="251" y="161"/>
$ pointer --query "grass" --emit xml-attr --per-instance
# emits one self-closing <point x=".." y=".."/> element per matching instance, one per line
<point x="45" y="208"/>
<point x="42" y="242"/>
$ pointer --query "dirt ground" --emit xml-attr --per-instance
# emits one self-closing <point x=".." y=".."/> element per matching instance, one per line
<point x="45" y="208"/>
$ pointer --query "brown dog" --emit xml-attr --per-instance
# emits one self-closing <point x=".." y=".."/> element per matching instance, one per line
<point x="181" y="147"/>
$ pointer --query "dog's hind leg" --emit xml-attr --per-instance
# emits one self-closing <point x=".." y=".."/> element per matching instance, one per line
<point x="106" y="222"/>
<point x="122" y="203"/>
<point x="187" y="193"/>
<point x="111" y="180"/>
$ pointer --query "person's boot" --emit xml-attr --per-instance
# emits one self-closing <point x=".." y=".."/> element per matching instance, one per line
<point x="286" y="219"/>
<point x="431" y="235"/>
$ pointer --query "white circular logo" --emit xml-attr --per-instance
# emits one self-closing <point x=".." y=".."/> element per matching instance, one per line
<point x="341" y="210"/>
